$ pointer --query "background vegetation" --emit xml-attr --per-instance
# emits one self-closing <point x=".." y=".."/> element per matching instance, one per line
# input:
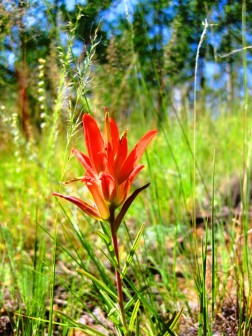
<point x="180" y="66"/>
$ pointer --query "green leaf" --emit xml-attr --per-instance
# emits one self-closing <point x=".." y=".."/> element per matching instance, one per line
<point x="133" y="250"/>
<point x="88" y="330"/>
<point x="114" y="313"/>
<point x="134" y="298"/>
<point x="98" y="283"/>
<point x="142" y="298"/>
<point x="104" y="237"/>
<point x="134" y="315"/>
<point x="110" y="304"/>
<point x="108" y="301"/>
<point x="171" y="324"/>
<point x="86" y="245"/>
<point x="175" y="319"/>
<point x="107" y="241"/>
<point x="167" y="331"/>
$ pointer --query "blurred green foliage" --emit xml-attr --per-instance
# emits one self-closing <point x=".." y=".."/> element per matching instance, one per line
<point x="143" y="48"/>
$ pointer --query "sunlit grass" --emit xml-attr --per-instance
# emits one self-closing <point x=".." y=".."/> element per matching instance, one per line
<point x="30" y="216"/>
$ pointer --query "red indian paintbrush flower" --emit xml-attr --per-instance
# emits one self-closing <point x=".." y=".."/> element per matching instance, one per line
<point x="110" y="170"/>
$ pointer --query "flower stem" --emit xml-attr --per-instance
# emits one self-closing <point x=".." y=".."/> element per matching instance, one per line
<point x="117" y="273"/>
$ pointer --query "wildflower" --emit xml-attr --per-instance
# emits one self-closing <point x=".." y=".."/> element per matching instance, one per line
<point x="110" y="169"/>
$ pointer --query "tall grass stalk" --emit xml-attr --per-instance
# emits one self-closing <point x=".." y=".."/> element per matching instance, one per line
<point x="246" y="181"/>
<point x="213" y="268"/>
<point x="203" y="316"/>
<point x="195" y="118"/>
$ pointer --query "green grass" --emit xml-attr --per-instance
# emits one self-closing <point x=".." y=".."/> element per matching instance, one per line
<point x="38" y="235"/>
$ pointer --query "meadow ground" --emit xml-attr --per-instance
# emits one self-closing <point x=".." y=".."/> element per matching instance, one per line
<point x="192" y="256"/>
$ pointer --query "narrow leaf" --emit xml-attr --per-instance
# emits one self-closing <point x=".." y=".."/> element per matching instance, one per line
<point x="139" y="294"/>
<point x="134" y="315"/>
<point x="175" y="319"/>
<point x="111" y="304"/>
<point x="98" y="283"/>
<point x="133" y="250"/>
<point x="104" y="237"/>
<point x="134" y="298"/>
<point x="88" y="330"/>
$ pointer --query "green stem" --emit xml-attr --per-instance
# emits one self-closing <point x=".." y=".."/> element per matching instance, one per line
<point x="117" y="273"/>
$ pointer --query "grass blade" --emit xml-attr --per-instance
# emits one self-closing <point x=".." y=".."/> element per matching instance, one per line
<point x="98" y="283"/>
<point x="134" y="316"/>
<point x="133" y="250"/>
<point x="88" y="330"/>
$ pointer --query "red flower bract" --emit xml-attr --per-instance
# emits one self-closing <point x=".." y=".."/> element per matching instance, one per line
<point x="110" y="170"/>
